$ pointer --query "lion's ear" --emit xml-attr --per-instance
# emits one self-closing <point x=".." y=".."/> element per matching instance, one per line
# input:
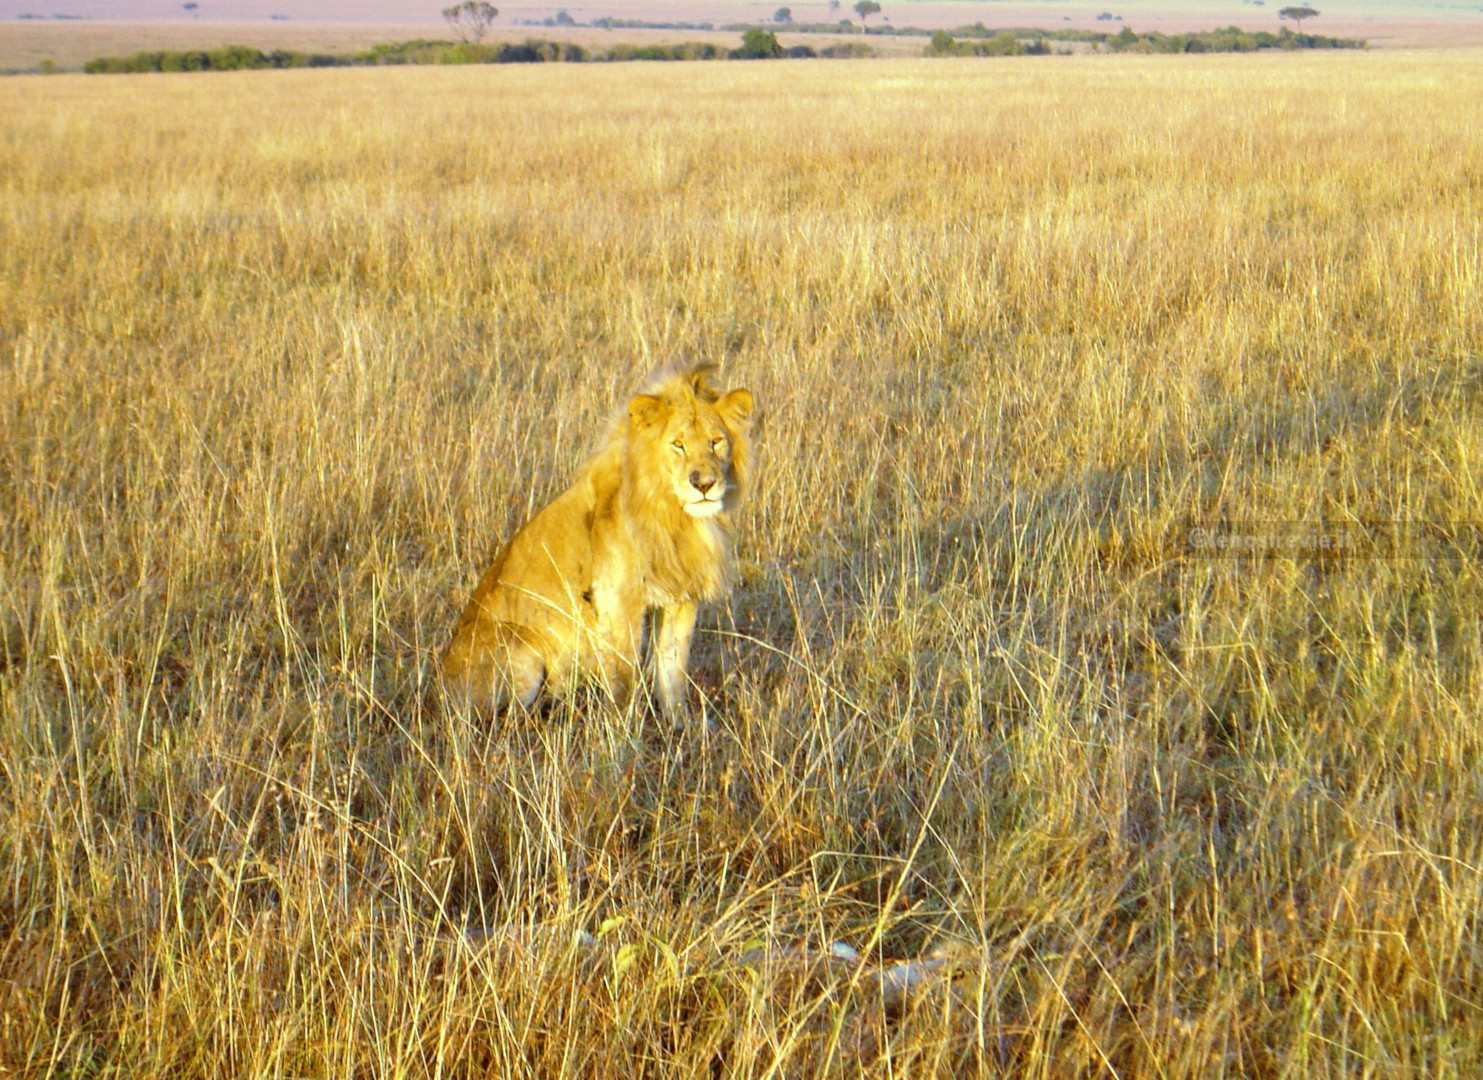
<point x="645" y="411"/>
<point x="700" y="381"/>
<point x="735" y="407"/>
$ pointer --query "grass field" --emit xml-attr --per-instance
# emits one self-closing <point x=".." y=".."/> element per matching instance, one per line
<point x="285" y="355"/>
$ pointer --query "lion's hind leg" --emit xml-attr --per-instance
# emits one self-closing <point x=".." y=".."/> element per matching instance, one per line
<point x="490" y="665"/>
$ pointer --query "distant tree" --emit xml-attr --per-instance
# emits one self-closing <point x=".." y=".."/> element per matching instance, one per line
<point x="1297" y="14"/>
<point x="470" y="20"/>
<point x="833" y="8"/>
<point x="783" y="15"/>
<point x="563" y="18"/>
<point x="191" y="7"/>
<point x="758" y="44"/>
<point x="865" y="9"/>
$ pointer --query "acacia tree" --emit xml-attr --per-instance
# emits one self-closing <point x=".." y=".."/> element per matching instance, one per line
<point x="865" y="9"/>
<point x="1297" y="15"/>
<point x="470" y="20"/>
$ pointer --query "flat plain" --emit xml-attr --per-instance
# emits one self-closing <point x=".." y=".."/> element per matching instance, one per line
<point x="285" y="355"/>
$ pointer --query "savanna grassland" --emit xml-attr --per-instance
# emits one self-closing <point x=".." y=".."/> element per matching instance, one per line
<point x="285" y="355"/>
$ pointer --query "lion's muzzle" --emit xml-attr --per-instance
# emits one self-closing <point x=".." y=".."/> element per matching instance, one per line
<point x="702" y="491"/>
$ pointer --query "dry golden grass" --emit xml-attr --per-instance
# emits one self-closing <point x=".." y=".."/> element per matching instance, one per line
<point x="286" y="354"/>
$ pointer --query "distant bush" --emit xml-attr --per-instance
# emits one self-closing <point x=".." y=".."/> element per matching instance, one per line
<point x="283" y="58"/>
<point x="689" y="50"/>
<point x="697" y="50"/>
<point x="1003" y="43"/>
<point x="236" y="58"/>
<point x="758" y="44"/>
<point x="417" y="51"/>
<point x="847" y="50"/>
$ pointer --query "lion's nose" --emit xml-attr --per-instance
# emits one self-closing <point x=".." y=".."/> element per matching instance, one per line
<point x="701" y="485"/>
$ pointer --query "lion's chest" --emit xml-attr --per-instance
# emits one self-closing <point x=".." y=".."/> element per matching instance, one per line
<point x="642" y="561"/>
<point x="692" y="566"/>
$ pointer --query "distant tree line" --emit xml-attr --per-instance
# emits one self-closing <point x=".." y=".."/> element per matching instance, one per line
<point x="227" y="58"/>
<point x="757" y="44"/>
<point x="1231" y="39"/>
<point x="982" y="42"/>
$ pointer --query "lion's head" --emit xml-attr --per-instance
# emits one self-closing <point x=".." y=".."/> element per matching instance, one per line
<point x="688" y="442"/>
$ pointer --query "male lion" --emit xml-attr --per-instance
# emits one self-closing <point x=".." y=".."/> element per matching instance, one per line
<point x="645" y="525"/>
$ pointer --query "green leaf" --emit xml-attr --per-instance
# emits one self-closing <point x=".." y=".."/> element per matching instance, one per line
<point x="623" y="960"/>
<point x="611" y="923"/>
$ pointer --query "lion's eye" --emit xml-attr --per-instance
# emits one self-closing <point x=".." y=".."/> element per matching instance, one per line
<point x="678" y="446"/>
<point x="718" y="445"/>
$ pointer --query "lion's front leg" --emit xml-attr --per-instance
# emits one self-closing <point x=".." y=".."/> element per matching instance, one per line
<point x="672" y="654"/>
<point x="614" y="639"/>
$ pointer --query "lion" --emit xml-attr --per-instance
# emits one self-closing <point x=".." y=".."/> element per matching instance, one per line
<point x="645" y="527"/>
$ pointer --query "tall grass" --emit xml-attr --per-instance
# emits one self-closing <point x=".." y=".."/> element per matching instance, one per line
<point x="285" y="356"/>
